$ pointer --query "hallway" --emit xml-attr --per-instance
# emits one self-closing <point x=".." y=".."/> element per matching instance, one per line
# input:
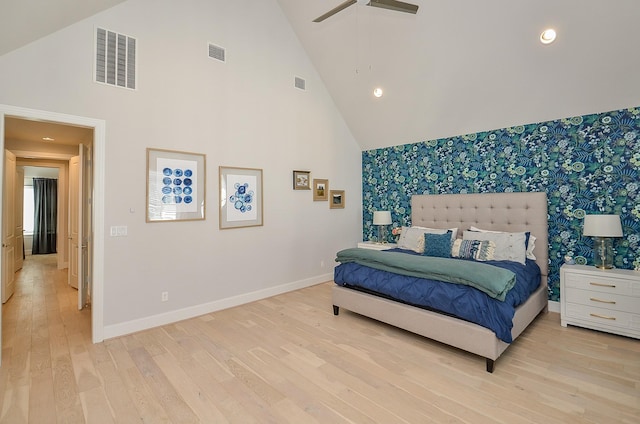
<point x="42" y="331"/>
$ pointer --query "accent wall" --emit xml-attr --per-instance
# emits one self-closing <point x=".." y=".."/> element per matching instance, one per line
<point x="586" y="164"/>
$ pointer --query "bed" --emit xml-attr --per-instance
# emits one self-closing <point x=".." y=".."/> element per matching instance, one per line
<point x="506" y="212"/>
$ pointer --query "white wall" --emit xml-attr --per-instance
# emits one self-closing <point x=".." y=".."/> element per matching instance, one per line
<point x="243" y="113"/>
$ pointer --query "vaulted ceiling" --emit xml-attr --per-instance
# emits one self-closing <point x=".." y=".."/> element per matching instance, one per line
<point x="456" y="67"/>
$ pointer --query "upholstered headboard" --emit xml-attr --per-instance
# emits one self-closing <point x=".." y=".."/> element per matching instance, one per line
<point x="513" y="212"/>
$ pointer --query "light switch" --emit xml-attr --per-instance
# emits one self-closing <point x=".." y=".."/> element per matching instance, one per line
<point x="118" y="231"/>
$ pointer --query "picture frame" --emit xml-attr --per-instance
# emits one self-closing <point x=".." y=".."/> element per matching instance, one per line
<point x="301" y="180"/>
<point x="175" y="185"/>
<point x="336" y="199"/>
<point x="320" y="189"/>
<point x="241" y="197"/>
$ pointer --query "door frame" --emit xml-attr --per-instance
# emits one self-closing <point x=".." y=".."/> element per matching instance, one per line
<point x="98" y="239"/>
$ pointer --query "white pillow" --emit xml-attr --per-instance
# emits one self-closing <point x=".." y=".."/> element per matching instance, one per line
<point x="509" y="246"/>
<point x="412" y="238"/>
<point x="530" y="246"/>
<point x="454" y="231"/>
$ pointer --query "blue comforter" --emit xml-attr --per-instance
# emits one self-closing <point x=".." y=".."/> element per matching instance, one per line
<point x="459" y="300"/>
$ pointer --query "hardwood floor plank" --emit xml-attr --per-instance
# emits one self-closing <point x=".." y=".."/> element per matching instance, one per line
<point x="168" y="395"/>
<point x="200" y="402"/>
<point x="119" y="400"/>
<point x="15" y="408"/>
<point x="148" y="406"/>
<point x="42" y="404"/>
<point x="96" y="406"/>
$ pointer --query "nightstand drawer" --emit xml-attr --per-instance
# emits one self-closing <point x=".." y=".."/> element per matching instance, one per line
<point x="603" y="300"/>
<point x="604" y="317"/>
<point x="604" y="284"/>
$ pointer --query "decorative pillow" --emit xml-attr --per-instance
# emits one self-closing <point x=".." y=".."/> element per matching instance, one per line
<point x="437" y="245"/>
<point x="530" y="240"/>
<point x="473" y="249"/>
<point x="412" y="238"/>
<point x="531" y="244"/>
<point x="509" y="246"/>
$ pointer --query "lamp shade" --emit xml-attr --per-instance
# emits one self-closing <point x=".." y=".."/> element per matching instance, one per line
<point x="602" y="226"/>
<point x="381" y="218"/>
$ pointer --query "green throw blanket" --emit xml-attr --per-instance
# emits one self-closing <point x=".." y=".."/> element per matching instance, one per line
<point x="492" y="280"/>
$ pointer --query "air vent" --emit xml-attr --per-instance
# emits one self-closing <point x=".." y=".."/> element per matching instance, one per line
<point x="216" y="52"/>
<point x="115" y="59"/>
<point x="300" y="83"/>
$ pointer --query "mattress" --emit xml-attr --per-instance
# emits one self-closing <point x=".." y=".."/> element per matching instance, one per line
<point x="458" y="300"/>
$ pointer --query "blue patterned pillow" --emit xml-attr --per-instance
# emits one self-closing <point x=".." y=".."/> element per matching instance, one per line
<point x="437" y="245"/>
<point x="480" y="250"/>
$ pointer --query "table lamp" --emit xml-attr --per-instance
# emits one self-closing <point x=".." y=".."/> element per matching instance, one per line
<point x="382" y="219"/>
<point x="602" y="228"/>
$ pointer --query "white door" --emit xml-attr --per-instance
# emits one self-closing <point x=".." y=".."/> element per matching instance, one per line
<point x="86" y="211"/>
<point x="18" y="217"/>
<point x="74" y="221"/>
<point x="8" y="226"/>
<point x="79" y="224"/>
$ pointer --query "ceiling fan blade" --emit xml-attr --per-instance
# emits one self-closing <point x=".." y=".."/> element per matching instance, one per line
<point x="398" y="6"/>
<point x="335" y="10"/>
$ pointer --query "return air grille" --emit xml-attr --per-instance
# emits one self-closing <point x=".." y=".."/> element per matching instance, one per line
<point x="216" y="52"/>
<point x="115" y="59"/>
<point x="300" y="83"/>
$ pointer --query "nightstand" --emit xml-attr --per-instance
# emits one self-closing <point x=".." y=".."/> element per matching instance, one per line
<point x="376" y="246"/>
<point x="605" y="300"/>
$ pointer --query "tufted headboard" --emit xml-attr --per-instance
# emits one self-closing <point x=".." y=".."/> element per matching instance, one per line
<point x="513" y="212"/>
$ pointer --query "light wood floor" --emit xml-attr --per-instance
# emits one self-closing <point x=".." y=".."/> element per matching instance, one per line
<point x="288" y="359"/>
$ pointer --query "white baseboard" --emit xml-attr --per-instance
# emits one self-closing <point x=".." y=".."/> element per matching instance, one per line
<point x="116" y="330"/>
<point x="554" y="306"/>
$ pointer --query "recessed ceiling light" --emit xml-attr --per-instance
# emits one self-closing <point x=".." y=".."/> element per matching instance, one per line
<point x="548" y="36"/>
<point x="48" y="139"/>
<point x="377" y="92"/>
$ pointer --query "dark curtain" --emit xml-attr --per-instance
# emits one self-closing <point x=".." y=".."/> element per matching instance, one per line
<point x="45" y="201"/>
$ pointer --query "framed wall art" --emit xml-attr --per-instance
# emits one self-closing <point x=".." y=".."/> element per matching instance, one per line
<point x="240" y="197"/>
<point x="175" y="186"/>
<point x="320" y="189"/>
<point x="336" y="199"/>
<point x="301" y="180"/>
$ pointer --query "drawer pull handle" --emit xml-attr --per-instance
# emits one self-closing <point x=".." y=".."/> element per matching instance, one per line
<point x="595" y="299"/>
<point x="603" y="285"/>
<point x="603" y="316"/>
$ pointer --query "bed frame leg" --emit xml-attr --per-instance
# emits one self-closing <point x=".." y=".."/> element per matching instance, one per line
<point x="490" y="364"/>
<point x="336" y="310"/>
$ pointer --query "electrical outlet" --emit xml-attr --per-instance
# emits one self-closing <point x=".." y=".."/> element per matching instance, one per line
<point x="165" y="296"/>
<point x="321" y="264"/>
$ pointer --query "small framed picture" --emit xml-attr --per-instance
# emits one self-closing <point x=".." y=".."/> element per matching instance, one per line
<point x="301" y="180"/>
<point x="320" y="190"/>
<point x="336" y="199"/>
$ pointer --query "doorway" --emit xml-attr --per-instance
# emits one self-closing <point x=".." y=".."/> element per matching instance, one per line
<point x="97" y="201"/>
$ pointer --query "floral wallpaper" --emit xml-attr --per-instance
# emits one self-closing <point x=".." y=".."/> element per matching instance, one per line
<point x="586" y="164"/>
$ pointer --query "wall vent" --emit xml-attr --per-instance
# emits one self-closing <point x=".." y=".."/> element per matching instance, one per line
<point x="216" y="52"/>
<point x="300" y="83"/>
<point x="115" y="59"/>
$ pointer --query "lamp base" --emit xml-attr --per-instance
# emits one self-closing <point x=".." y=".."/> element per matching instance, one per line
<point x="603" y="253"/>
<point x="382" y="234"/>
